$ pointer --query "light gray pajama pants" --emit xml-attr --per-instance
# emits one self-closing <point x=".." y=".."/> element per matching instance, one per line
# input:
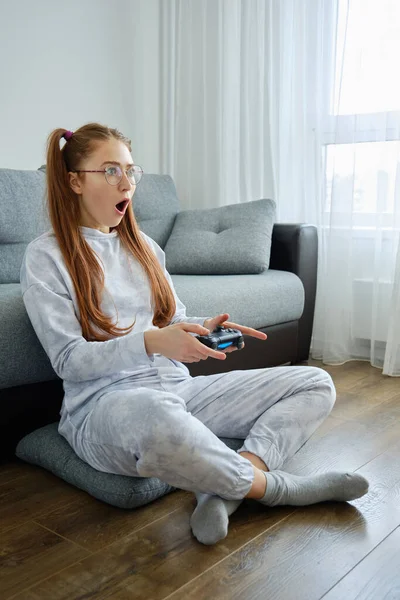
<point x="169" y="426"/>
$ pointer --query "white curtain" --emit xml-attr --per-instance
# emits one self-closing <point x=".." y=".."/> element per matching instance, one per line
<point x="358" y="300"/>
<point x="298" y="101"/>
<point x="215" y="112"/>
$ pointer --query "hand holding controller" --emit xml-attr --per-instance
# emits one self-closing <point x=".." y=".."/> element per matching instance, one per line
<point x="222" y="337"/>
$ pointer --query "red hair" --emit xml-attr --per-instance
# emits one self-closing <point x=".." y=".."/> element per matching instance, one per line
<point x="80" y="259"/>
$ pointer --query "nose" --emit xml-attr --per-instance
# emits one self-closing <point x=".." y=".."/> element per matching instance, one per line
<point x="125" y="183"/>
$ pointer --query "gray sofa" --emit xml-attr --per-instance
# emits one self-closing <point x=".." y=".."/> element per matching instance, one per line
<point x="278" y="300"/>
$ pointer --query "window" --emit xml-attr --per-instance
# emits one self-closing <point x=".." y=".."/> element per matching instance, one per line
<point x="361" y="133"/>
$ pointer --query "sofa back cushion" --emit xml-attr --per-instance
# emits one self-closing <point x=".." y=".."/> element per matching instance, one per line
<point x="156" y="205"/>
<point x="23" y="218"/>
<point x="233" y="239"/>
<point x="24" y="213"/>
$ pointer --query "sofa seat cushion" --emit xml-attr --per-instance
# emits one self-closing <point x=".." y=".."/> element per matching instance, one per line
<point x="269" y="298"/>
<point x="232" y="239"/>
<point x="257" y="301"/>
<point x="46" y="448"/>
<point x="20" y="349"/>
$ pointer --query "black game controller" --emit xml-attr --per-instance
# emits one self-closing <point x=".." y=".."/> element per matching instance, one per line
<point x="222" y="337"/>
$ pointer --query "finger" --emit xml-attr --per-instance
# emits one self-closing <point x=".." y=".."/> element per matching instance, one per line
<point x="195" y="358"/>
<point x="247" y="330"/>
<point x="193" y="327"/>
<point x="216" y="354"/>
<point x="202" y="349"/>
<point x="219" y="319"/>
<point x="205" y="352"/>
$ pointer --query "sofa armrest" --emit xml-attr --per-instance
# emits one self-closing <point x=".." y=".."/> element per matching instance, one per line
<point x="294" y="248"/>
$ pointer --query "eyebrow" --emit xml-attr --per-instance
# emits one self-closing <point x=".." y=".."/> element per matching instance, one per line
<point x="114" y="162"/>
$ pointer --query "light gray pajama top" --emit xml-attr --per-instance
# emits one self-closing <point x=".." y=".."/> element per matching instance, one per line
<point x="89" y="368"/>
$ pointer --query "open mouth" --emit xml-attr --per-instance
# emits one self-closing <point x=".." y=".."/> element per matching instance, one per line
<point x="121" y="206"/>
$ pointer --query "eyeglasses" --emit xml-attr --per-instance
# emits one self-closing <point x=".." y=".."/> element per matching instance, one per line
<point x="113" y="174"/>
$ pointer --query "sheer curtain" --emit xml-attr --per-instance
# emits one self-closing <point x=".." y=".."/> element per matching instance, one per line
<point x="298" y="101"/>
<point x="358" y="301"/>
<point x="215" y="111"/>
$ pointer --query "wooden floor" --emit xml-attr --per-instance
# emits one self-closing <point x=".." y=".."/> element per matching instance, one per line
<point x="59" y="543"/>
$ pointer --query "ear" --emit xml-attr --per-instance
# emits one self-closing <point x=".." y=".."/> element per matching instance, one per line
<point x="74" y="182"/>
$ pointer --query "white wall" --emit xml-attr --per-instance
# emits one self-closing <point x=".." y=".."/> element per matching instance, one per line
<point x="145" y="83"/>
<point x="64" y="64"/>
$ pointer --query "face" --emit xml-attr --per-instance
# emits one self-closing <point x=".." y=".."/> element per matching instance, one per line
<point x="97" y="198"/>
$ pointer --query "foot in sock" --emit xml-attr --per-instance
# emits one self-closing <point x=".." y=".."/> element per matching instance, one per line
<point x="285" y="488"/>
<point x="209" y="521"/>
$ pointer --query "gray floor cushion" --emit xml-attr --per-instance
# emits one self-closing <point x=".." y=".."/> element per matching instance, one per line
<point x="46" y="448"/>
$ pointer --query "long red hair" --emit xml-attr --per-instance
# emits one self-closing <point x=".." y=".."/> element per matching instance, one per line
<point x="81" y="262"/>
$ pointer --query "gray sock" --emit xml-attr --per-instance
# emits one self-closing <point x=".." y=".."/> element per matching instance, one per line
<point x="209" y="521"/>
<point x="285" y="488"/>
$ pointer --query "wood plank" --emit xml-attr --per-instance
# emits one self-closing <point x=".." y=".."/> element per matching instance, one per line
<point x="377" y="576"/>
<point x="303" y="556"/>
<point x="11" y="471"/>
<point x="384" y="476"/>
<point x="350" y="445"/>
<point x="351" y="366"/>
<point x="330" y="423"/>
<point x="26" y="498"/>
<point x="94" y="525"/>
<point x="155" y="561"/>
<point x="348" y="375"/>
<point x="366" y="394"/>
<point x="30" y="553"/>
